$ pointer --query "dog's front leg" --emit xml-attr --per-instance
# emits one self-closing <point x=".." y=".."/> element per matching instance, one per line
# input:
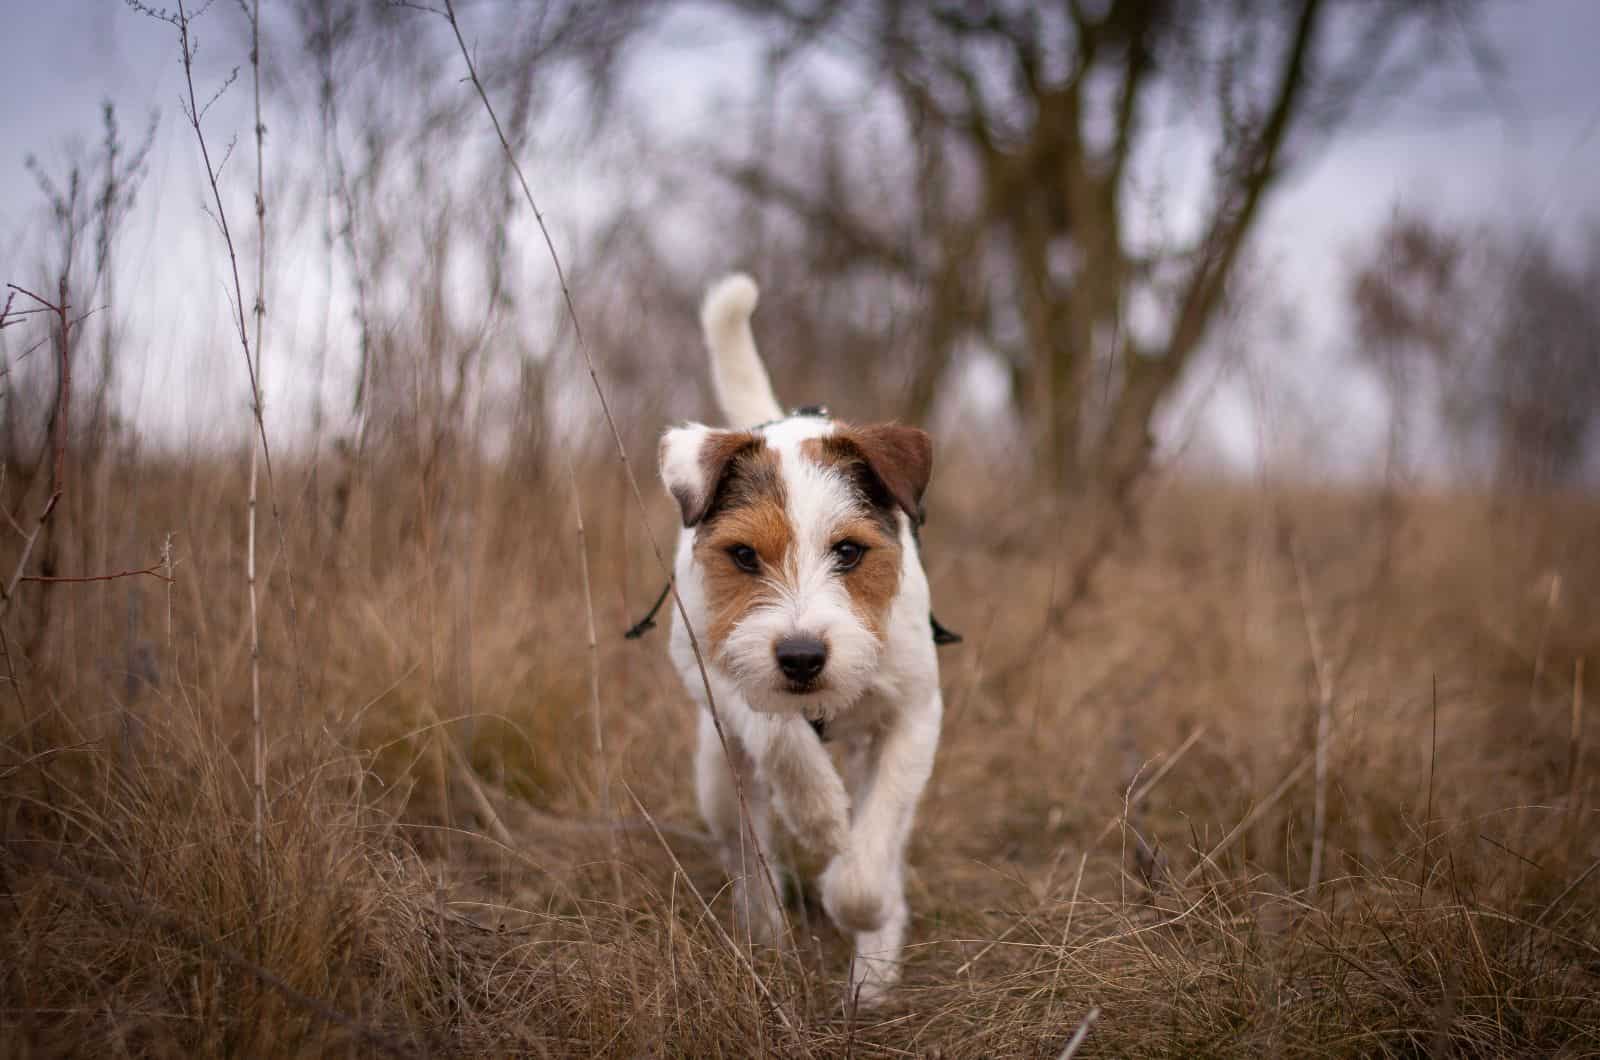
<point x="863" y="890"/>
<point x="806" y="789"/>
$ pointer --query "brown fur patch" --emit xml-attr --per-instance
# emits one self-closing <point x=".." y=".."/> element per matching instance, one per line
<point x="896" y="461"/>
<point x="748" y="509"/>
<point x="873" y="582"/>
<point x="901" y="457"/>
<point x="716" y="454"/>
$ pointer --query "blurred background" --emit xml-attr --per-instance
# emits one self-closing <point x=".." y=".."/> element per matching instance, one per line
<point x="1260" y="340"/>
<point x="1053" y="230"/>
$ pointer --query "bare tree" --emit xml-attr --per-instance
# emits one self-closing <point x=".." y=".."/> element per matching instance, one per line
<point x="1546" y="370"/>
<point x="1014" y="135"/>
<point x="1500" y="330"/>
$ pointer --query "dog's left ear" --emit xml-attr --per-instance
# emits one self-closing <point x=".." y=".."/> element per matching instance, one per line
<point x="901" y="458"/>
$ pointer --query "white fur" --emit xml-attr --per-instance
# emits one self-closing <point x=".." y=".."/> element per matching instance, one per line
<point x="681" y="472"/>
<point x="741" y="382"/>
<point x="881" y="698"/>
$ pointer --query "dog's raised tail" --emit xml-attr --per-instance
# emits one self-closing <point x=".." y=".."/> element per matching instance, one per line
<point x="741" y="382"/>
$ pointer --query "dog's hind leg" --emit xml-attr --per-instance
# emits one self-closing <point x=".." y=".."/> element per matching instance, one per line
<point x="756" y="888"/>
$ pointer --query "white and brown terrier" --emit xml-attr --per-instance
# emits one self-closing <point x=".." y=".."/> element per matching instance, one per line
<point x="798" y="567"/>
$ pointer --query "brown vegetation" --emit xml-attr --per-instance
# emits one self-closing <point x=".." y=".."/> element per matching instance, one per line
<point x="1282" y="771"/>
<point x="1121" y="816"/>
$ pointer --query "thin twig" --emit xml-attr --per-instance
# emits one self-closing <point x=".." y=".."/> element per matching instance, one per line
<point x="58" y="468"/>
<point x="153" y="571"/>
<point x="59" y="441"/>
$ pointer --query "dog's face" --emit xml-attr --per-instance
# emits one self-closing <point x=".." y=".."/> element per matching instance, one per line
<point x="798" y="548"/>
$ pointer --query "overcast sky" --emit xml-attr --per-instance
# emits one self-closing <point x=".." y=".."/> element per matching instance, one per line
<point x="1518" y="144"/>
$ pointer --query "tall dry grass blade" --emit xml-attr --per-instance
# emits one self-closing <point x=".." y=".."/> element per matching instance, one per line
<point x="722" y="932"/>
<point x="166" y="565"/>
<point x="258" y="740"/>
<point x="1575" y="736"/>
<point x="172" y="923"/>
<point x="258" y="779"/>
<point x="1565" y="891"/>
<point x="193" y="112"/>
<point x="597" y="717"/>
<point x="1136" y="796"/>
<point x="1552" y="598"/>
<point x="1066" y="930"/>
<point x="449" y="14"/>
<point x="1148" y="786"/>
<point x="1324" y="673"/>
<point x="1209" y="857"/>
<point x="1433" y="761"/>
<point x="29" y="746"/>
<point x="480" y="798"/>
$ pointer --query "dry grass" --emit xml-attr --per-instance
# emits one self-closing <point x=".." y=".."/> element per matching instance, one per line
<point x="447" y="702"/>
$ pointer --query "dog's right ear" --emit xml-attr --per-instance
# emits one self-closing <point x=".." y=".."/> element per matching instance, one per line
<point x="694" y="459"/>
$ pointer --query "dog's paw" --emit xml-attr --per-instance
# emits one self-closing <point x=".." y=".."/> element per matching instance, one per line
<point x="855" y="898"/>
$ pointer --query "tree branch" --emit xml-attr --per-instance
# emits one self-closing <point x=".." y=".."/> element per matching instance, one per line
<point x="855" y="233"/>
<point x="1232" y="222"/>
<point x="1137" y="65"/>
<point x="1147" y="379"/>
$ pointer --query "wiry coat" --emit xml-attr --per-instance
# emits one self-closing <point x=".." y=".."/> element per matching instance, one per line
<point x="800" y="575"/>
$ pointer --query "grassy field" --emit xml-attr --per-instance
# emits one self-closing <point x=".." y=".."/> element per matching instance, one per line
<point x="1305" y="773"/>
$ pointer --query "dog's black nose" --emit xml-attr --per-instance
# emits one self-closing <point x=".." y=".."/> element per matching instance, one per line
<point x="801" y="658"/>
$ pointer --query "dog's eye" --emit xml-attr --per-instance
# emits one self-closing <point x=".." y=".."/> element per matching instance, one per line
<point x="745" y="558"/>
<point x="848" y="553"/>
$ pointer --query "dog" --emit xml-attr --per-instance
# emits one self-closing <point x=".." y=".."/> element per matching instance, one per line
<point x="798" y="567"/>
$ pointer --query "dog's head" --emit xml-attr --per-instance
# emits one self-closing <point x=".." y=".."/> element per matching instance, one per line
<point x="798" y="546"/>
